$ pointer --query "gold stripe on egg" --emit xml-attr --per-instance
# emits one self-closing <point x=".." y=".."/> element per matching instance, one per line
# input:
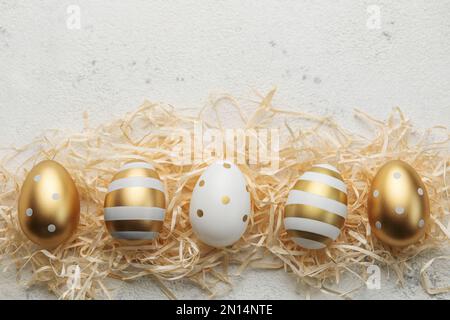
<point x="134" y="225"/>
<point x="309" y="235"/>
<point x="136" y="197"/>
<point x="313" y="213"/>
<point x="321" y="189"/>
<point x="136" y="172"/>
<point x="327" y="172"/>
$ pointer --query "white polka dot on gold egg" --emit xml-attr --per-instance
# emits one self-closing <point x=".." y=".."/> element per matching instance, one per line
<point x="29" y="212"/>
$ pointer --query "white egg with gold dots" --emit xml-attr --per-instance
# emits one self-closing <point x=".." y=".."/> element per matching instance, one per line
<point x="220" y="205"/>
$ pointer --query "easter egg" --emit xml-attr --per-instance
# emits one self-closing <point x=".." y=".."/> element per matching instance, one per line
<point x="220" y="205"/>
<point x="49" y="205"/>
<point x="135" y="204"/>
<point x="316" y="207"/>
<point x="398" y="204"/>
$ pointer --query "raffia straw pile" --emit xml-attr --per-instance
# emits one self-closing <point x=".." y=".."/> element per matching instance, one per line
<point x="95" y="154"/>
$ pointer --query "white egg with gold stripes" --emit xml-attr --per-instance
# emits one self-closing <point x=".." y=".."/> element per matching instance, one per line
<point x="316" y="207"/>
<point x="135" y="204"/>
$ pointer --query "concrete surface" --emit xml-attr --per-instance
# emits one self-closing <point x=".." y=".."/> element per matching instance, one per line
<point x="327" y="57"/>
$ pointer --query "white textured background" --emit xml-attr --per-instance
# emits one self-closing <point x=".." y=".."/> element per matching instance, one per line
<point x="320" y="55"/>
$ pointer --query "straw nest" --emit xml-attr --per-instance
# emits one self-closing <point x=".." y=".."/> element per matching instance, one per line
<point x="150" y="134"/>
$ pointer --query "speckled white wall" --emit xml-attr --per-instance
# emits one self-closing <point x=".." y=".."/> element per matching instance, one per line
<point x="323" y="56"/>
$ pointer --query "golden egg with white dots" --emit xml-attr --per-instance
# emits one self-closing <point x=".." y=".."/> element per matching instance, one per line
<point x="220" y="205"/>
<point x="398" y="204"/>
<point x="135" y="204"/>
<point x="49" y="205"/>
